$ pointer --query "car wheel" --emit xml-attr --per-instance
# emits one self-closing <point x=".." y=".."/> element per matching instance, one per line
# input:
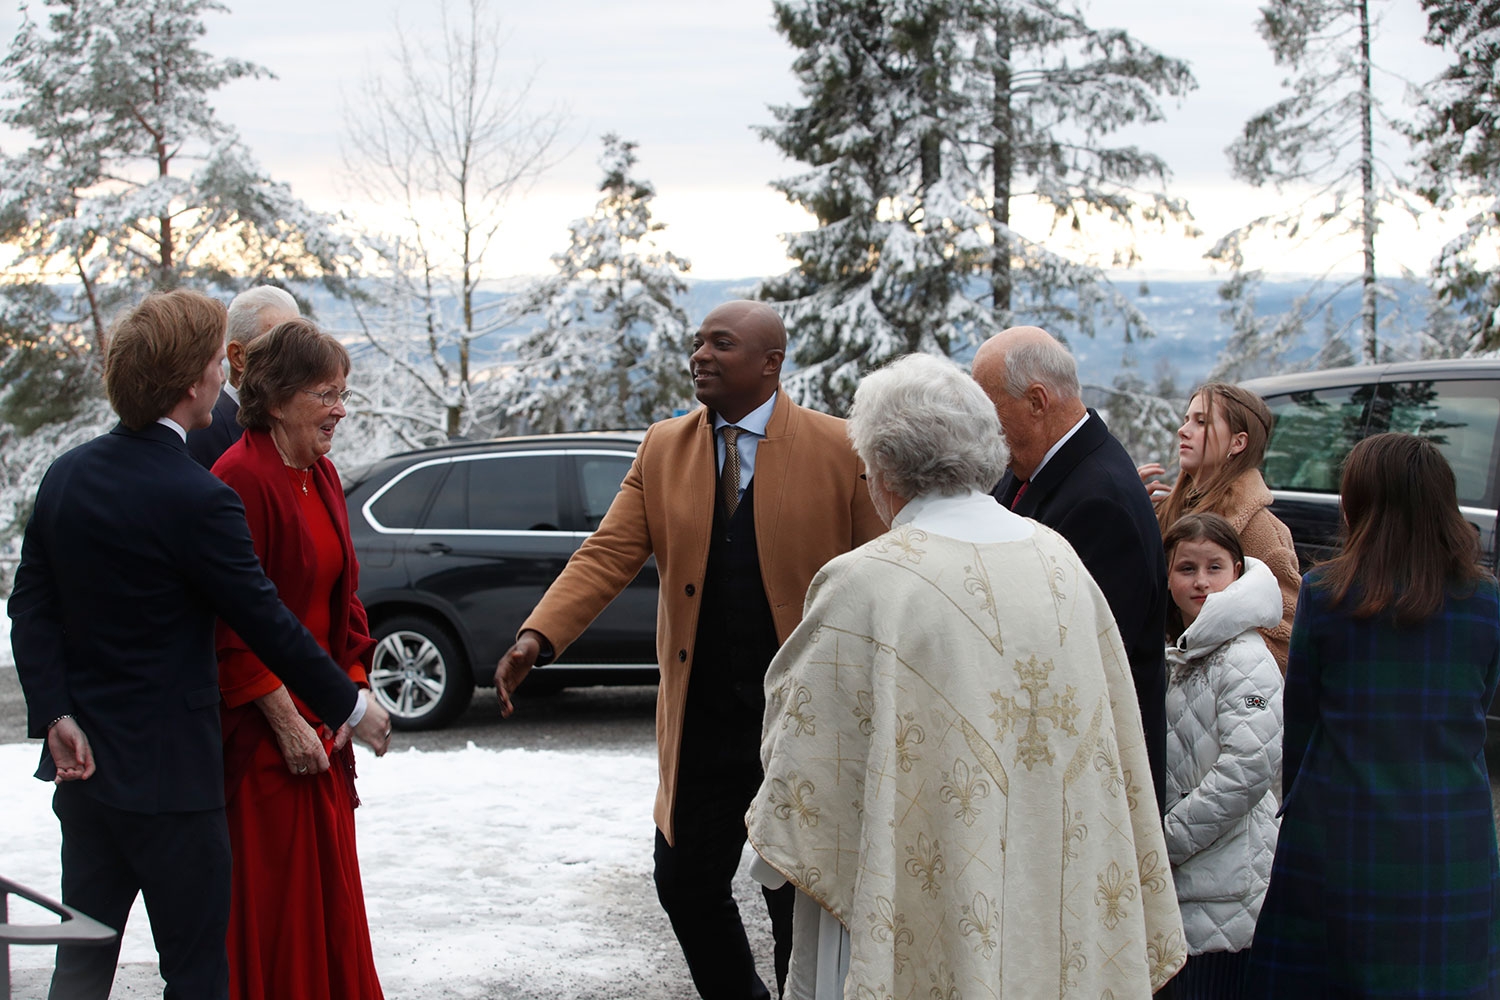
<point x="417" y="674"/>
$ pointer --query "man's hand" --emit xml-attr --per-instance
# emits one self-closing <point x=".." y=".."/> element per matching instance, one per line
<point x="1148" y="474"/>
<point x="374" y="730"/>
<point x="514" y="666"/>
<point x="70" y="751"/>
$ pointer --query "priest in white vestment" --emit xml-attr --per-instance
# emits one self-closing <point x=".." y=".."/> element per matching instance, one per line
<point x="954" y="764"/>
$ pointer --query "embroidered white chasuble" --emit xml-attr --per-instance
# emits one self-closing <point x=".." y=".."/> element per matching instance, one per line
<point x="955" y="770"/>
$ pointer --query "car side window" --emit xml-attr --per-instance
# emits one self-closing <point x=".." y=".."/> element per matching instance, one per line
<point x="1313" y="433"/>
<point x="450" y="508"/>
<point x="402" y="503"/>
<point x="1462" y="418"/>
<point x="514" y="493"/>
<point x="599" y="478"/>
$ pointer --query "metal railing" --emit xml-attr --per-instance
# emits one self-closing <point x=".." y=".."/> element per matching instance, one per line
<point x="75" y="928"/>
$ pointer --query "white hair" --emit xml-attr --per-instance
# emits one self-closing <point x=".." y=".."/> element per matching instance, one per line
<point x="1043" y="360"/>
<point x="248" y="306"/>
<point x="923" y="426"/>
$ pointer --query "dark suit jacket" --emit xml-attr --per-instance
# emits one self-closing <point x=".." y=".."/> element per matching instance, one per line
<point x="208" y="444"/>
<point x="131" y="551"/>
<point x="1091" y="494"/>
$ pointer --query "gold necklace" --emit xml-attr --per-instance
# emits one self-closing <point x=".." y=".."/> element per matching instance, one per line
<point x="306" y="475"/>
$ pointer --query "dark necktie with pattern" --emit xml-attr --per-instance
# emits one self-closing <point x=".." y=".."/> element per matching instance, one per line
<point x="729" y="478"/>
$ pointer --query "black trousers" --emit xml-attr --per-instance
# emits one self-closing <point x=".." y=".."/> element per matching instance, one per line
<point x="179" y="861"/>
<point x="694" y="880"/>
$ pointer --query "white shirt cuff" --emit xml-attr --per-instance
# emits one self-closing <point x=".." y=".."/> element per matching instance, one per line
<point x="359" y="710"/>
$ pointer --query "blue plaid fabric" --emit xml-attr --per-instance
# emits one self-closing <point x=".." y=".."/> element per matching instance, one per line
<point x="1385" y="882"/>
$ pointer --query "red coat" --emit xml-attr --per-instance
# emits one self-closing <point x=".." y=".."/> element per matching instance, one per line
<point x="253" y="467"/>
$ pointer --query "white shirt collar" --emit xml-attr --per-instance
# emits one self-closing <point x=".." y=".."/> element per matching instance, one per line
<point x="968" y="517"/>
<point x="181" y="431"/>
<point x="1057" y="445"/>
<point x="755" y="421"/>
<point x="233" y="393"/>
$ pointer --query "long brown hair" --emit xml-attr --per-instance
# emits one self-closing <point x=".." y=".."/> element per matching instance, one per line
<point x="1203" y="527"/>
<point x="1212" y="490"/>
<point x="1405" y="541"/>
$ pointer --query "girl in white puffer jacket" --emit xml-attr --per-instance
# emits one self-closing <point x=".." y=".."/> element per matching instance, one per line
<point x="1223" y="747"/>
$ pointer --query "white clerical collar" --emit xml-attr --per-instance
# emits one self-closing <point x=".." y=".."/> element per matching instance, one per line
<point x="968" y="517"/>
<point x="234" y="393"/>
<point x="181" y="431"/>
<point x="755" y="421"/>
<point x="1057" y="446"/>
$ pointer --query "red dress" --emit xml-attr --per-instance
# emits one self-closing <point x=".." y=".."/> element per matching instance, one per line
<point x="297" y="926"/>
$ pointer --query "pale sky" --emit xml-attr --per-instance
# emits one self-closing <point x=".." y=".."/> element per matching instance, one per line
<point x="688" y="80"/>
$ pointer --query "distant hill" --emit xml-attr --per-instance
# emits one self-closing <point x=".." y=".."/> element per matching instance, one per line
<point x="1190" y="333"/>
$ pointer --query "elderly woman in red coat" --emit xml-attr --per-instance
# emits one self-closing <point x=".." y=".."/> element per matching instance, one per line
<point x="297" y="925"/>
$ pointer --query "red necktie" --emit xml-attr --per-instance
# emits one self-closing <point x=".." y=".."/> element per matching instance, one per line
<point x="1019" y="493"/>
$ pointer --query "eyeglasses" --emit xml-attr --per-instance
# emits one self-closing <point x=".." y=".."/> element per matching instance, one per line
<point x="331" y="397"/>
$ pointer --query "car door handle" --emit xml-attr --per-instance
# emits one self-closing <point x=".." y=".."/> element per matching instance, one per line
<point x="434" y="549"/>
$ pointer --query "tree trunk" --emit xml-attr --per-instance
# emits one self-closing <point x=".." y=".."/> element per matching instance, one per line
<point x="1002" y="156"/>
<point x="1368" y="221"/>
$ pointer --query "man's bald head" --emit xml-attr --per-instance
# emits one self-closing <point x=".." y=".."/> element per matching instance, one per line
<point x="737" y="355"/>
<point x="1033" y="382"/>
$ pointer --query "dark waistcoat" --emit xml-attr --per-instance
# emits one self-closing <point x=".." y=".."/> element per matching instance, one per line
<point x="735" y="643"/>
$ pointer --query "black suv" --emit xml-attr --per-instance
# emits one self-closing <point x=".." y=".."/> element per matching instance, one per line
<point x="1320" y="415"/>
<point x="457" y="543"/>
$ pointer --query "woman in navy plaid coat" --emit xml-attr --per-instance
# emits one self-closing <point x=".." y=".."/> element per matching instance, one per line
<point x="1385" y="880"/>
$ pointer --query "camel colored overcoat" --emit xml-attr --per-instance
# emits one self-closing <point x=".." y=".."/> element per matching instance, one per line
<point x="810" y="505"/>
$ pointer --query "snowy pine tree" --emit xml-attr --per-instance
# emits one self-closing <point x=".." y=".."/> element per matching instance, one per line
<point x="925" y="124"/>
<point x="884" y="272"/>
<point x="130" y="183"/>
<point x="613" y="346"/>
<point x="1320" y="142"/>
<point x="1458" y="141"/>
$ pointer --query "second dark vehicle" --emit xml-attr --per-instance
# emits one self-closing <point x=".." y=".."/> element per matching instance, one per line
<point x="457" y="544"/>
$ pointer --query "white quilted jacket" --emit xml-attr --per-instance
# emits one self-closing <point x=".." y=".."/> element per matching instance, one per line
<point x="1223" y="754"/>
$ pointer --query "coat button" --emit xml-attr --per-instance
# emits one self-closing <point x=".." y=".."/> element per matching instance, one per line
<point x="691" y="590"/>
<point x="682" y="656"/>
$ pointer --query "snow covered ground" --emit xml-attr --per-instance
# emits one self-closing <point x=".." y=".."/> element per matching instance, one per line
<point x="488" y="873"/>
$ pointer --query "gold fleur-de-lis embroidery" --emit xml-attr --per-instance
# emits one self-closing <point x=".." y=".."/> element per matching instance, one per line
<point x="797" y="711"/>
<point x="944" y="984"/>
<point x="1105" y="762"/>
<point x="977" y="586"/>
<point x="979" y="921"/>
<point x="1165" y="955"/>
<point x="864" y="711"/>
<point x="888" y="925"/>
<point x="908" y="735"/>
<point x="1077" y="830"/>
<point x="1071" y="961"/>
<point x="903" y="544"/>
<point x="1032" y="747"/>
<point x="1153" y="872"/>
<point x="807" y="876"/>
<point x="791" y="795"/>
<point x="1131" y="788"/>
<point x="863" y="992"/>
<point x="1116" y="888"/>
<point x="965" y="787"/>
<point x="925" y="862"/>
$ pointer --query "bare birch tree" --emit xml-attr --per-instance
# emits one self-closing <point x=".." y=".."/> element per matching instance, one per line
<point x="446" y="139"/>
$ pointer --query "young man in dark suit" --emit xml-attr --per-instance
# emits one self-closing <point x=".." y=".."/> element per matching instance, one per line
<point x="1068" y="472"/>
<point x="131" y="553"/>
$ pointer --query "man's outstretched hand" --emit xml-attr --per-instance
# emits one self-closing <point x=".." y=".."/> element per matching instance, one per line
<point x="514" y="666"/>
